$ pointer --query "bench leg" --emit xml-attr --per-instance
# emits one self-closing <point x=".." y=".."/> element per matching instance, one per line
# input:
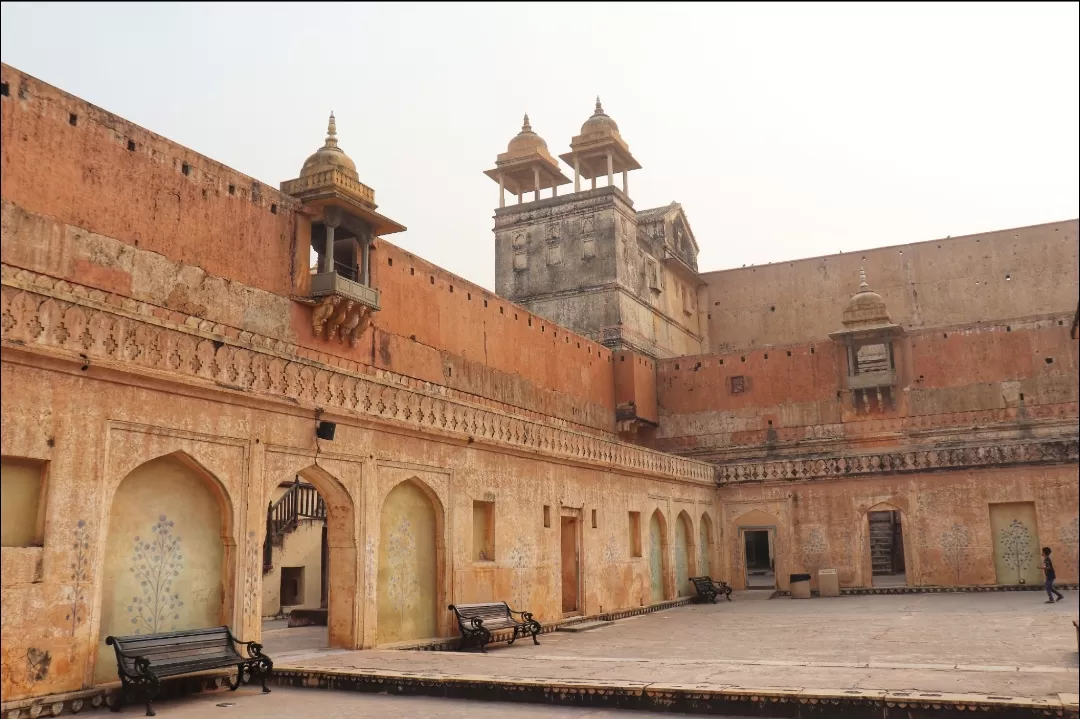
<point x="233" y="686"/>
<point x="266" y="668"/>
<point x="151" y="692"/>
<point x="118" y="701"/>
<point x="536" y="628"/>
<point x="514" y="638"/>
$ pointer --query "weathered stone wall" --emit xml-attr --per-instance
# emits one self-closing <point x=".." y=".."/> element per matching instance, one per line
<point x="581" y="261"/>
<point x="792" y="398"/>
<point x="1022" y="272"/>
<point x="946" y="520"/>
<point x="129" y="406"/>
<point x="163" y="225"/>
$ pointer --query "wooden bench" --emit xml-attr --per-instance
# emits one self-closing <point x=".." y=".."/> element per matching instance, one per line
<point x="478" y="621"/>
<point x="708" y="589"/>
<point x="143" y="660"/>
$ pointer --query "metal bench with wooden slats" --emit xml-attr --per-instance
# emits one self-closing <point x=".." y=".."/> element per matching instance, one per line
<point x="143" y="660"/>
<point x="708" y="589"/>
<point x="478" y="621"/>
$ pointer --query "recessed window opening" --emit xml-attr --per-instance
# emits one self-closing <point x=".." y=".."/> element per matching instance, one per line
<point x="131" y="146"/>
<point x="185" y="168"/>
<point x="73" y="119"/>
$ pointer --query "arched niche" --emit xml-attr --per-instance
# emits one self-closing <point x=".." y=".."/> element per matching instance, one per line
<point x="705" y="545"/>
<point x="169" y="561"/>
<point x="685" y="555"/>
<point x="409" y="586"/>
<point x="658" y="556"/>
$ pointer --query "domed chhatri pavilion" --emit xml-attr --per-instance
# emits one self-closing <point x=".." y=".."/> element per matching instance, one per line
<point x="526" y="166"/>
<point x="344" y="228"/>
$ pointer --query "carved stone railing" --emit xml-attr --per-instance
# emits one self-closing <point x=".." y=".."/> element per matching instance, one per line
<point x="42" y="312"/>
<point x="926" y="460"/>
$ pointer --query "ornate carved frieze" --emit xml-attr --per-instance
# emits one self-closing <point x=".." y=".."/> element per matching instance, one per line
<point x="42" y="312"/>
<point x="930" y="460"/>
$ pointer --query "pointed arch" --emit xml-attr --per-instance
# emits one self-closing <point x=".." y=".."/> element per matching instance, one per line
<point x="169" y="554"/>
<point x="342" y="573"/>
<point x="685" y="555"/>
<point x="409" y="586"/>
<point x="658" y="556"/>
<point x="705" y="545"/>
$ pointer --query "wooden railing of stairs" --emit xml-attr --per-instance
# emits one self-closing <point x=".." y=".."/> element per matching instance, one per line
<point x="301" y="501"/>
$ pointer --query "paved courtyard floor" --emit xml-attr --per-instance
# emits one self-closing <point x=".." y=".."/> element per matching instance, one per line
<point x="993" y="643"/>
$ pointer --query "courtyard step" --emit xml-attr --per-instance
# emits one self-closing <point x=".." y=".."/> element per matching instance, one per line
<point x="582" y="626"/>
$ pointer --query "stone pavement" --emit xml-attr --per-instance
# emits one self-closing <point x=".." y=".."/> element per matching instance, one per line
<point x="286" y="703"/>
<point x="1007" y="643"/>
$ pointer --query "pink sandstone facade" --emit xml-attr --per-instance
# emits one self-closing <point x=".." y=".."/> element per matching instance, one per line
<point x="168" y="353"/>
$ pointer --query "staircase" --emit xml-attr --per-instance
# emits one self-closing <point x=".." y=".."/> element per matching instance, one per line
<point x="881" y="543"/>
<point x="301" y="501"/>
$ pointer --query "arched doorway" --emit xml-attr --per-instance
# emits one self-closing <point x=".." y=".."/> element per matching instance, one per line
<point x="684" y="555"/>
<point x="309" y="569"/>
<point x="885" y="534"/>
<point x="657" y="555"/>
<point x="408" y="580"/>
<point x="705" y="543"/>
<point x="165" y="557"/>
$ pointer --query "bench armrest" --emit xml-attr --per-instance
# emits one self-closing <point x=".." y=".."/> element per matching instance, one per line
<point x="527" y="616"/>
<point x="252" y="649"/>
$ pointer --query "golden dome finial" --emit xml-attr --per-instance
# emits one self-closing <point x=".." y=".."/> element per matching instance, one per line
<point x="599" y="108"/>
<point x="863" y="286"/>
<point x="331" y="132"/>
<point x="525" y="126"/>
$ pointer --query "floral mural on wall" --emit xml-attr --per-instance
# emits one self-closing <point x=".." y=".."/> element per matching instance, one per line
<point x="80" y="574"/>
<point x="1016" y="547"/>
<point x="814" y="548"/>
<point x="1070" y="538"/>
<point x="954" y="546"/>
<point x="156" y="562"/>
<point x="403" y="584"/>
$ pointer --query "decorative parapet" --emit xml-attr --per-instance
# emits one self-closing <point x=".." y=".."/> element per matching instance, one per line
<point x="1053" y="451"/>
<point x="43" y="313"/>
<point x="303" y="186"/>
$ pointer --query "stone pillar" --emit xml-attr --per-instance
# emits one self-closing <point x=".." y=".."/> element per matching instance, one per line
<point x="577" y="174"/>
<point x="519" y="197"/>
<point x="625" y="186"/>
<point x="610" y="170"/>
<point x="328" y="249"/>
<point x="502" y="192"/>
<point x="594" y="182"/>
<point x="536" y="182"/>
<point x="555" y="189"/>
<point x="365" y="260"/>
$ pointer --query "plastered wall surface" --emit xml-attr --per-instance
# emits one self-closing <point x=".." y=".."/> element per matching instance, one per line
<point x="1022" y="272"/>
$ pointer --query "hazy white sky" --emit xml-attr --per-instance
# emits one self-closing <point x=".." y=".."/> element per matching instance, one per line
<point x="785" y="131"/>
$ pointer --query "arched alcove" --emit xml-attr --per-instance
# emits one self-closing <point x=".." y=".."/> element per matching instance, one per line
<point x="168" y="554"/>
<point x="685" y="556"/>
<point x="705" y="544"/>
<point x="410" y="563"/>
<point x="658" y="545"/>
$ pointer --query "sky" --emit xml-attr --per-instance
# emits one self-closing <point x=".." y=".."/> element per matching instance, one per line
<point x="784" y="130"/>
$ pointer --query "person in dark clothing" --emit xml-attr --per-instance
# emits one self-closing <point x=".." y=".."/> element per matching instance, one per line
<point x="1048" y="570"/>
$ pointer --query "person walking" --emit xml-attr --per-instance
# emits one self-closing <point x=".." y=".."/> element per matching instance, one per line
<point x="1048" y="570"/>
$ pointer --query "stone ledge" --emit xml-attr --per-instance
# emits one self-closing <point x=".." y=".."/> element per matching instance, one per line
<point x="679" y="698"/>
<point x="451" y="644"/>
<point x="864" y="591"/>
<point x="104" y="695"/>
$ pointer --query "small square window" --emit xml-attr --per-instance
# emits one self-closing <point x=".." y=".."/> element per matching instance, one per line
<point x="738" y="384"/>
<point x="22" y="502"/>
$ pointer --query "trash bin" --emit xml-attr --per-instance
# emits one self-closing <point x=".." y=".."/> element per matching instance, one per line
<point x="828" y="583"/>
<point x="800" y="586"/>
